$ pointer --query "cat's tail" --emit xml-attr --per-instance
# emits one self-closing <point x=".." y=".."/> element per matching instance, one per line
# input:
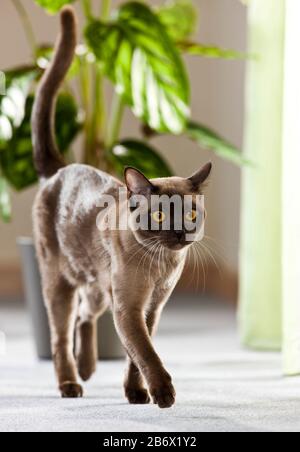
<point x="47" y="158"/>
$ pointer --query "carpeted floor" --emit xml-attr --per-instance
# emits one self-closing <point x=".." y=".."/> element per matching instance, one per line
<point x="220" y="387"/>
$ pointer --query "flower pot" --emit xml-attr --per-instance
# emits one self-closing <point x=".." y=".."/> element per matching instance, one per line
<point x="109" y="345"/>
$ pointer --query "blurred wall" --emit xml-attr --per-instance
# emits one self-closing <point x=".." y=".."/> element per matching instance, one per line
<point x="217" y="100"/>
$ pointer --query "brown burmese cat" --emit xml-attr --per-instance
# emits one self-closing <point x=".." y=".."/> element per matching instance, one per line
<point x="102" y="269"/>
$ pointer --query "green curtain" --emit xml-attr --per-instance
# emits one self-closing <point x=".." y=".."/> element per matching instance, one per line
<point x="260" y="316"/>
<point x="269" y="310"/>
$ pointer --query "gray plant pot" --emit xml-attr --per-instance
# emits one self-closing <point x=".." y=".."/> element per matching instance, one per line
<point x="109" y="345"/>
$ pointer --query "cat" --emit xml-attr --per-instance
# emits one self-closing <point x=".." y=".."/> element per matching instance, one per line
<point x="101" y="269"/>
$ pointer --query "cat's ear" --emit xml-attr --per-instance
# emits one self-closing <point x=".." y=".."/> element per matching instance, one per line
<point x="201" y="176"/>
<point x="136" y="182"/>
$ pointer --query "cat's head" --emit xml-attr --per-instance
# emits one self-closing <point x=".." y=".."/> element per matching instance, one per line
<point x="168" y="211"/>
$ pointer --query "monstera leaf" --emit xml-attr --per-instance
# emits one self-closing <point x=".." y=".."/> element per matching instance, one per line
<point x="193" y="48"/>
<point x="180" y="17"/>
<point x="210" y="140"/>
<point x="141" y="156"/>
<point x="16" y="159"/>
<point x="53" y="6"/>
<point x="144" y="64"/>
<point x="12" y="104"/>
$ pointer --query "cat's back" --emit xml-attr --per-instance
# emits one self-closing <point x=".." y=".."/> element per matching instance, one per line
<point x="75" y="192"/>
<point x="83" y="186"/>
<point x="65" y="213"/>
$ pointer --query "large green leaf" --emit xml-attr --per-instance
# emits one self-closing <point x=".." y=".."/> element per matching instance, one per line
<point x="12" y="104"/>
<point x="16" y="157"/>
<point x="5" y="204"/>
<point x="141" y="156"/>
<point x="193" y="48"/>
<point x="180" y="17"/>
<point x="208" y="139"/>
<point x="145" y="66"/>
<point x="53" y="6"/>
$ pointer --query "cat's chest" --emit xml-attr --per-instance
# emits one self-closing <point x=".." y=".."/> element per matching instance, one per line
<point x="167" y="280"/>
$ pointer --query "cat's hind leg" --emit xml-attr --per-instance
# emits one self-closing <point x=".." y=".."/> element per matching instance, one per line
<point x="62" y="309"/>
<point x="93" y="303"/>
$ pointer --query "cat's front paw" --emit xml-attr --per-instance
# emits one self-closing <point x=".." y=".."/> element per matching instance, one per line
<point x="137" y="396"/>
<point x="164" y="394"/>
<point x="70" y="390"/>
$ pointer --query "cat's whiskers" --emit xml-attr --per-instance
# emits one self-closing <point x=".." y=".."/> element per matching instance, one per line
<point x="147" y="252"/>
<point x="190" y="258"/>
<point x="214" y="241"/>
<point x="140" y="247"/>
<point x="161" y="257"/>
<point x="145" y="248"/>
<point x="156" y="248"/>
<point x="200" y="266"/>
<point x="146" y="255"/>
<point x="160" y="260"/>
<point x="151" y="257"/>
<point x="203" y="265"/>
<point x="208" y="252"/>
<point x="215" y="247"/>
<point x="165" y="256"/>
<point x="197" y="255"/>
<point x="196" y="268"/>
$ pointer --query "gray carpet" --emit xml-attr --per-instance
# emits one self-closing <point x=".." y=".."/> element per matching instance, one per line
<point x="220" y="387"/>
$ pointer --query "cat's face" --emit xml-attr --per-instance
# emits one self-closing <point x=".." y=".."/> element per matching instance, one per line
<point x="170" y="211"/>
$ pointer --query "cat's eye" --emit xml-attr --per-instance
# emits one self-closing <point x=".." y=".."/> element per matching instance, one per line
<point x="159" y="217"/>
<point x="192" y="215"/>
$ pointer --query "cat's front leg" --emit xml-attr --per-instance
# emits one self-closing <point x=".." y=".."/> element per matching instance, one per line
<point x="131" y="325"/>
<point x="134" y="382"/>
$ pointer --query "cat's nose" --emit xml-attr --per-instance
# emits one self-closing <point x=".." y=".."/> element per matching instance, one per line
<point x="179" y="235"/>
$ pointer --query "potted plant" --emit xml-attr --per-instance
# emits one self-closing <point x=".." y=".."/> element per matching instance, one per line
<point x="137" y="47"/>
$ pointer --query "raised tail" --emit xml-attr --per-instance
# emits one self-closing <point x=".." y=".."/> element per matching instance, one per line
<point x="47" y="158"/>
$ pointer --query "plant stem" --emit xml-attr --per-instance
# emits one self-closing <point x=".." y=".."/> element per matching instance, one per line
<point x="95" y="152"/>
<point x="98" y="125"/>
<point x="84" y="80"/>
<point x="85" y="83"/>
<point x="115" y="121"/>
<point x="95" y="119"/>
<point x="105" y="9"/>
<point x="26" y="24"/>
<point x="87" y="8"/>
